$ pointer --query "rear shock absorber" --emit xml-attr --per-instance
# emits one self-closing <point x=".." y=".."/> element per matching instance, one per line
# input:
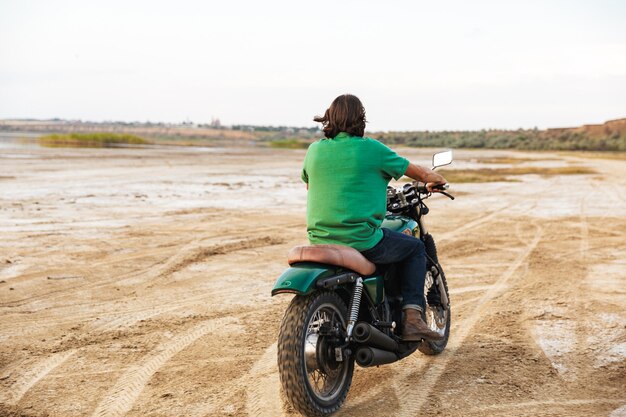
<point x="354" y="307"/>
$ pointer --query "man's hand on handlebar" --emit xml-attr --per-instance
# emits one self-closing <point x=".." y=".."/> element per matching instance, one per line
<point x="436" y="187"/>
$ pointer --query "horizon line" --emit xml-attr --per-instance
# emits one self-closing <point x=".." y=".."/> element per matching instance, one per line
<point x="190" y="124"/>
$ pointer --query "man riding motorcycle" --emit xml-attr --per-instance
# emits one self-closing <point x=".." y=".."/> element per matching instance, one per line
<point x="347" y="176"/>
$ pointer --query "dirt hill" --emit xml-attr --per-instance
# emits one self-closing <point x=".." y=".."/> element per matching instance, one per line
<point x="610" y="128"/>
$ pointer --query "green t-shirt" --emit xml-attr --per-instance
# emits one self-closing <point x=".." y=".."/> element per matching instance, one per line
<point x="347" y="178"/>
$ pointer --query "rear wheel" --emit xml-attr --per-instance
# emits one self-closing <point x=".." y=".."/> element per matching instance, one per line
<point x="315" y="380"/>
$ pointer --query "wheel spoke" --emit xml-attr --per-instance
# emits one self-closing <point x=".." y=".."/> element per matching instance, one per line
<point x="436" y="317"/>
<point x="323" y="380"/>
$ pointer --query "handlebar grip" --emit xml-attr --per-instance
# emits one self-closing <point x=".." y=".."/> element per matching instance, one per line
<point x="421" y="187"/>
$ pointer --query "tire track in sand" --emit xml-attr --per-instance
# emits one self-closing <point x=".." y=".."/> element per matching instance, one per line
<point x="444" y="237"/>
<point x="406" y="389"/>
<point x="123" y="321"/>
<point x="262" y="387"/>
<point x="128" y="318"/>
<point x="31" y="377"/>
<point x="199" y="254"/>
<point x="543" y="405"/>
<point x="191" y="253"/>
<point x="129" y="386"/>
<point x="264" y="390"/>
<point x="195" y="251"/>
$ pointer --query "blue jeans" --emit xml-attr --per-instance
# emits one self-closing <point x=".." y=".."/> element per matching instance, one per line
<point x="410" y="256"/>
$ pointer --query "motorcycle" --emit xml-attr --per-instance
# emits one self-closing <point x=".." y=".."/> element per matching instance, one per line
<point x="345" y="308"/>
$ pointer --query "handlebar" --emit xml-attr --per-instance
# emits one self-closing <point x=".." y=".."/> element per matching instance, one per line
<point x="399" y="200"/>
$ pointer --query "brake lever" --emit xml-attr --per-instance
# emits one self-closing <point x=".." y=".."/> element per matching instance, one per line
<point x="451" y="197"/>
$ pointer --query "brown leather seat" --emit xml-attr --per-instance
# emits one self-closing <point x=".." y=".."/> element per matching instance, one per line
<point x="337" y="255"/>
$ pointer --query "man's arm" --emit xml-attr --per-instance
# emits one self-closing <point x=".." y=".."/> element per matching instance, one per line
<point x="424" y="175"/>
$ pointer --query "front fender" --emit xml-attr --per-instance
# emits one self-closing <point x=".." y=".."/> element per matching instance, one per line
<point x="301" y="277"/>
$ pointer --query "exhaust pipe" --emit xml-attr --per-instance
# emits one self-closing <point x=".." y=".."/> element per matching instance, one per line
<point x="369" y="356"/>
<point x="368" y="335"/>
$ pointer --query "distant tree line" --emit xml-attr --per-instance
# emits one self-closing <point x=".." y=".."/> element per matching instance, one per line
<point x="255" y="128"/>
<point x="528" y="139"/>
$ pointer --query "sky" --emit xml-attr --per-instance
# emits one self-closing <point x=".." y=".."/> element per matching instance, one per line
<point x="415" y="65"/>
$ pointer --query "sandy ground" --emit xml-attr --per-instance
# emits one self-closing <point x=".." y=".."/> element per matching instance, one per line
<point x="137" y="282"/>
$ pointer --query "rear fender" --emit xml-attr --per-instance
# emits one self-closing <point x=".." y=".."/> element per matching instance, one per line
<point x="300" y="278"/>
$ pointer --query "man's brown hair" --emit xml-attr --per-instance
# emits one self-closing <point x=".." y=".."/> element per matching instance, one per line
<point x="345" y="114"/>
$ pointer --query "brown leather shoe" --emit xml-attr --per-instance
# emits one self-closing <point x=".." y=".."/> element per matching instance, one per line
<point x="414" y="329"/>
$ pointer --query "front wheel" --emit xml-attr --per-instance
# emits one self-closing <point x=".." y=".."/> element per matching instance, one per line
<point x="437" y="316"/>
<point x="315" y="378"/>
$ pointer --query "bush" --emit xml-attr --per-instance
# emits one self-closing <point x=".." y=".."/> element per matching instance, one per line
<point x="91" y="140"/>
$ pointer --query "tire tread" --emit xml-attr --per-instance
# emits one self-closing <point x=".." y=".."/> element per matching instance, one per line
<point x="290" y="352"/>
<point x="428" y="347"/>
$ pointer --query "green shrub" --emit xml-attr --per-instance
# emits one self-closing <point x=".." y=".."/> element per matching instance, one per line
<point x="91" y="140"/>
<point x="289" y="144"/>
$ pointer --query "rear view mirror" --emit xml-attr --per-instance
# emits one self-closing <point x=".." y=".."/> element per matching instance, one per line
<point x="442" y="158"/>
